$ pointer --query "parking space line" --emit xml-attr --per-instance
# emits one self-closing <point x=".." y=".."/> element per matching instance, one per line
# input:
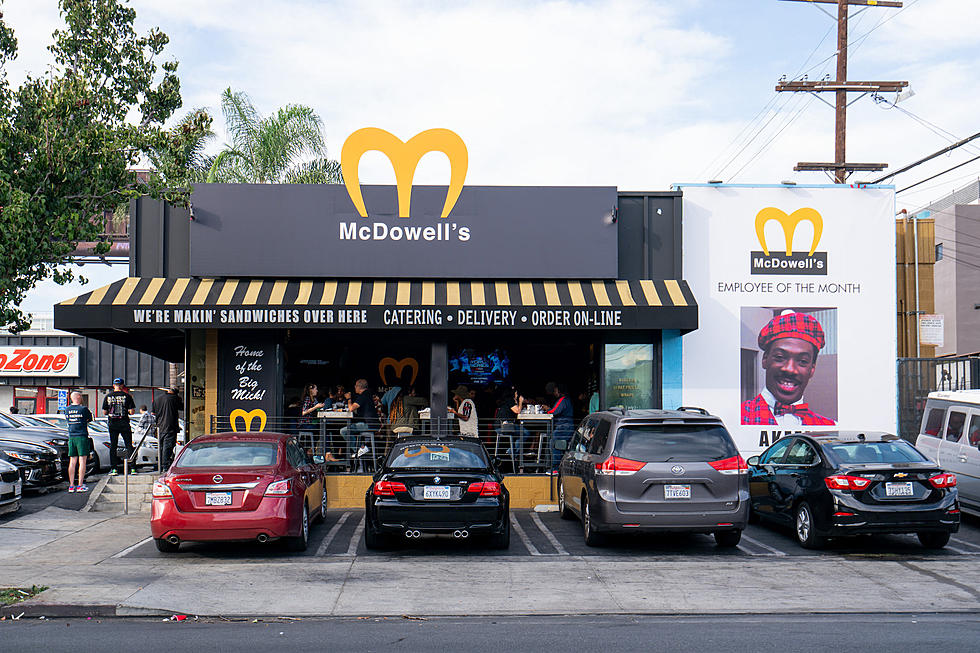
<point x="129" y="549"/>
<point x="332" y="534"/>
<point x="963" y="551"/>
<point x="521" y="534"/>
<point x="356" y="539"/>
<point x="548" y="534"/>
<point x="764" y="546"/>
<point x="748" y="552"/>
<point x="965" y="543"/>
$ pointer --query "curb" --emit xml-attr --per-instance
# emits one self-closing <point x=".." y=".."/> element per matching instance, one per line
<point x="56" y="610"/>
<point x="96" y="493"/>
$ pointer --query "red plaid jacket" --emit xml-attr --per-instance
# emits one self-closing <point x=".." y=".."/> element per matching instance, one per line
<point x="756" y="411"/>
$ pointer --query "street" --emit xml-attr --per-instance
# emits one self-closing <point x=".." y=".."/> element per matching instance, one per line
<point x="790" y="633"/>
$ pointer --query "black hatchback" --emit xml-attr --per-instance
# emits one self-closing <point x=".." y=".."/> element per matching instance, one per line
<point x="437" y="486"/>
<point x="837" y="483"/>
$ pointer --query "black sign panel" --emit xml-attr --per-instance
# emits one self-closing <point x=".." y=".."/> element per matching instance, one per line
<point x="795" y="263"/>
<point x="314" y="231"/>
<point x="249" y="379"/>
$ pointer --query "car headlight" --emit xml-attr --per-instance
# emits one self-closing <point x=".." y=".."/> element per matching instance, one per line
<point x="20" y="455"/>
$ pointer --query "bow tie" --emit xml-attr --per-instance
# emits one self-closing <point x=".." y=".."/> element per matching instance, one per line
<point x="794" y="409"/>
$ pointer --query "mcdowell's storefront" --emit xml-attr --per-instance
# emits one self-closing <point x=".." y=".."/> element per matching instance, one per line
<point x="263" y="289"/>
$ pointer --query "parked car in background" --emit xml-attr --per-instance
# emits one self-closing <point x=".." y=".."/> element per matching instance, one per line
<point x="950" y="436"/>
<point x="239" y="486"/>
<point x="11" y="487"/>
<point x="840" y="483"/>
<point x="56" y="435"/>
<point x="38" y="464"/>
<point x="147" y="448"/>
<point x="626" y="471"/>
<point x="446" y="486"/>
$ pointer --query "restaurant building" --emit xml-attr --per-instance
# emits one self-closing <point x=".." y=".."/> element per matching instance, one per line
<point x="261" y="289"/>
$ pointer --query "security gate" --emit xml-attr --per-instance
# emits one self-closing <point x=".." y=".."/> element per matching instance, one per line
<point x="917" y="377"/>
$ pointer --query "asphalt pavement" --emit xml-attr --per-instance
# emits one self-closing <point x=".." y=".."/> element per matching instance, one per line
<point x="785" y="633"/>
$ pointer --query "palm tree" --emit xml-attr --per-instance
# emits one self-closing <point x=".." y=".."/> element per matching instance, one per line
<point x="189" y="163"/>
<point x="274" y="149"/>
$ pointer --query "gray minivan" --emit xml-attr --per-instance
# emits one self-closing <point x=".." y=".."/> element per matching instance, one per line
<point x="654" y="471"/>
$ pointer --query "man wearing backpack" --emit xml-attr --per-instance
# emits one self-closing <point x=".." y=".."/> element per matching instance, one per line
<point x="118" y="405"/>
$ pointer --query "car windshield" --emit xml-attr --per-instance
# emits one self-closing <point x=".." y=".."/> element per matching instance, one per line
<point x="438" y="455"/>
<point x="60" y="422"/>
<point x="8" y="422"/>
<point x="228" y="454"/>
<point x="895" y="451"/>
<point x="683" y="443"/>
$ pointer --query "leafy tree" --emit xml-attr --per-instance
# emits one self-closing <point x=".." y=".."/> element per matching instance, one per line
<point x="272" y="149"/>
<point x="69" y="141"/>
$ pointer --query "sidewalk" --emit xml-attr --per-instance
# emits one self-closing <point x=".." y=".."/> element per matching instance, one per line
<point x="72" y="553"/>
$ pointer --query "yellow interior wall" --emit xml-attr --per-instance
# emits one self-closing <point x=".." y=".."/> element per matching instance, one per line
<point x="347" y="491"/>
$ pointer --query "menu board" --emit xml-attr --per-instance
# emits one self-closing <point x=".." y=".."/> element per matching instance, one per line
<point x="249" y="366"/>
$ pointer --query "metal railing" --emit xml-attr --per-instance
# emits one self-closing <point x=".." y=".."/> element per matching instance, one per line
<point x="917" y="377"/>
<point x="523" y="445"/>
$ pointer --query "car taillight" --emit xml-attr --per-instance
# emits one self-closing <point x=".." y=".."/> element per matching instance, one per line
<point x="618" y="466"/>
<point x="161" y="490"/>
<point x="943" y="480"/>
<point x="486" y="489"/>
<point x="844" y="482"/>
<point x="733" y="465"/>
<point x="278" y="488"/>
<point x="388" y="488"/>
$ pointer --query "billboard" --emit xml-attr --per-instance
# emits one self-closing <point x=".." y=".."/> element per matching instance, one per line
<point x="796" y="288"/>
<point x="39" y="361"/>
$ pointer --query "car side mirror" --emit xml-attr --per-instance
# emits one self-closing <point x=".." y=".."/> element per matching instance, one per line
<point x="496" y="462"/>
<point x="561" y="445"/>
<point x="318" y="459"/>
<point x="753" y="461"/>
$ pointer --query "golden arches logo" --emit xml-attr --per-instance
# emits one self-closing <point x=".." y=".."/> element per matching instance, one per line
<point x="248" y="418"/>
<point x="789" y="223"/>
<point x="398" y="366"/>
<point x="404" y="157"/>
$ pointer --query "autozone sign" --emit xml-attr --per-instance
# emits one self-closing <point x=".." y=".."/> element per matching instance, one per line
<point x="39" y="361"/>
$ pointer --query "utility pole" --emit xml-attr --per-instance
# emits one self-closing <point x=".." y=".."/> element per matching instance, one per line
<point x="841" y="87"/>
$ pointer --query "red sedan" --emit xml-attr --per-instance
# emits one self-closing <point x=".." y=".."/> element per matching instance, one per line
<point x="239" y="486"/>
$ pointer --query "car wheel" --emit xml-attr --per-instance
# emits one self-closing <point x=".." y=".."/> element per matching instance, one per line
<point x="501" y="540"/>
<point x="321" y="515"/>
<point x="166" y="547"/>
<point x="375" y="541"/>
<point x="300" y="543"/>
<point x="563" y="509"/>
<point x="592" y="536"/>
<point x="728" y="539"/>
<point x="96" y="464"/>
<point x="805" y="534"/>
<point x="933" y="539"/>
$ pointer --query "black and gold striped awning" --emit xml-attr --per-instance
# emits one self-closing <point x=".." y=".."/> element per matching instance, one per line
<point x="249" y="303"/>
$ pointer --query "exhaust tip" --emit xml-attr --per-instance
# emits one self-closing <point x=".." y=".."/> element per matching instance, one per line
<point x="262" y="538"/>
<point x="464" y="534"/>
<point x="173" y="539"/>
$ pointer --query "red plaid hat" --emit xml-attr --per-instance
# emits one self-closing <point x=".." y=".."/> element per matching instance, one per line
<point x="792" y="325"/>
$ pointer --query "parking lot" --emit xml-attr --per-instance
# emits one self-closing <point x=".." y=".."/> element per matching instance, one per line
<point x="547" y="535"/>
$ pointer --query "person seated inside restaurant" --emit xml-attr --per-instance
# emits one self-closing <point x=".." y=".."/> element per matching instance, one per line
<point x="403" y="410"/>
<point x="563" y="424"/>
<point x="512" y="403"/>
<point x="309" y="407"/>
<point x="465" y="412"/>
<point x="364" y="418"/>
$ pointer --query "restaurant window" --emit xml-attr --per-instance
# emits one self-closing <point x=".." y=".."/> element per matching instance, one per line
<point x="629" y="376"/>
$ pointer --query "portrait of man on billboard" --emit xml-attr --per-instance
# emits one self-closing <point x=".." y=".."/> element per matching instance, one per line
<point x="790" y="344"/>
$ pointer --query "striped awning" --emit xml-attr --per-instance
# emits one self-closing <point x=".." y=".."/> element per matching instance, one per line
<point x="249" y="303"/>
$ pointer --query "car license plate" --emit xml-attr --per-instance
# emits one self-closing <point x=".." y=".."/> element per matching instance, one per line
<point x="677" y="491"/>
<point x="436" y="492"/>
<point x="217" y="498"/>
<point x="899" y="489"/>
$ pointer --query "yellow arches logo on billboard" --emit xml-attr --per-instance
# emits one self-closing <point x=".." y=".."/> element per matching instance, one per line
<point x="789" y="223"/>
<point x="766" y="262"/>
<point x="247" y="419"/>
<point x="404" y="157"/>
<point x="398" y="367"/>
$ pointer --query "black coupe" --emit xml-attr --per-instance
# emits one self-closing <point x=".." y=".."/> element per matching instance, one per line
<point x="437" y="486"/>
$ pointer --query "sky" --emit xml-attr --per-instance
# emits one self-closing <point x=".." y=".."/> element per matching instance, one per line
<point x="637" y="95"/>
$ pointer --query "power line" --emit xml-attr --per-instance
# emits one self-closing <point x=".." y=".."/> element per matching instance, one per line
<point x="940" y="174"/>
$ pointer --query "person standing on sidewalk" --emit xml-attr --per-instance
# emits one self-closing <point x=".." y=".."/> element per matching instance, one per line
<point x="166" y="408"/>
<point x="118" y="405"/>
<point x="78" y="417"/>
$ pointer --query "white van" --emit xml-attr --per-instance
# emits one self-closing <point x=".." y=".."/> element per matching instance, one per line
<point x="950" y="435"/>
